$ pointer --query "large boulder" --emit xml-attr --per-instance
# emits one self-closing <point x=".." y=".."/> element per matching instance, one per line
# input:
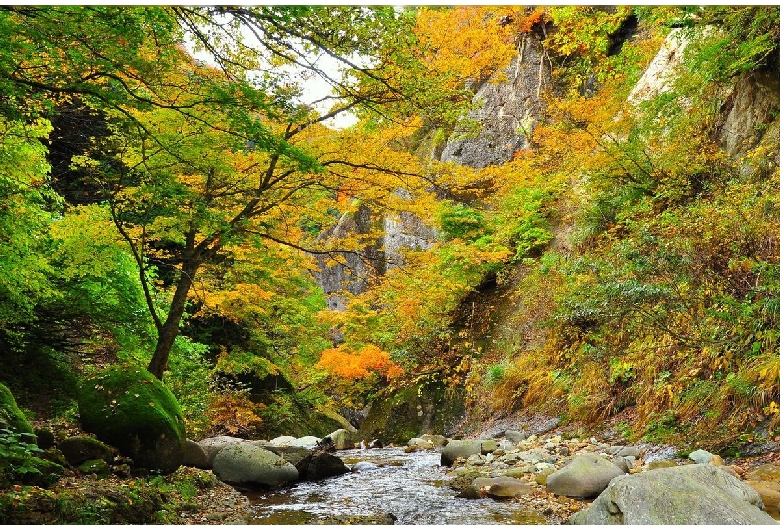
<point x="342" y="439"/>
<point x="195" y="456"/>
<point x="584" y="477"/>
<point x="133" y="411"/>
<point x="79" y="449"/>
<point x="11" y="417"/>
<point x="319" y="465"/>
<point x="212" y="446"/>
<point x="697" y="494"/>
<point x="251" y="466"/>
<point x="460" y="448"/>
<point x="290" y="453"/>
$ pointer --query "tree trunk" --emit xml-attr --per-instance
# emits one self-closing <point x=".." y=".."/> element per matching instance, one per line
<point x="170" y="329"/>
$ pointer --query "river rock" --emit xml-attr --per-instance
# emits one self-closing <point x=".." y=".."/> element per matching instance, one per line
<point x="436" y="439"/>
<point x="283" y="440"/>
<point x="360" y="467"/>
<point x="251" y="466"/>
<point x="515" y="436"/>
<point x="584" y="477"/>
<point x="700" y="456"/>
<point x="684" y="495"/>
<point x="502" y="487"/>
<point x="319" y="465"/>
<point x="342" y="439"/>
<point x="305" y="441"/>
<point x="519" y="471"/>
<point x="194" y="455"/>
<point x="420" y="443"/>
<point x="460" y="448"/>
<point x="488" y="446"/>
<point x="212" y="446"/>
<point x="292" y="454"/>
<point x="660" y="464"/>
<point x="535" y="456"/>
<point x="542" y="476"/>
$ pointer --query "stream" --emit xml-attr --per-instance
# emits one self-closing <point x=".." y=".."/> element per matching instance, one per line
<point x="410" y="486"/>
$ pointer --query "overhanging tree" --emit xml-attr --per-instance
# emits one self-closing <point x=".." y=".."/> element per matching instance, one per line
<point x="213" y="158"/>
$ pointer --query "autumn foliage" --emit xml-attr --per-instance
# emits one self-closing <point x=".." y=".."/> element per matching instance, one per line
<point x="369" y="359"/>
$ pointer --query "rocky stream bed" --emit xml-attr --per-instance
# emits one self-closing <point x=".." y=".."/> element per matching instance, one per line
<point x="504" y="480"/>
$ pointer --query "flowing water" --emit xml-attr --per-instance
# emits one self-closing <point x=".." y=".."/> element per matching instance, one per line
<point x="410" y="486"/>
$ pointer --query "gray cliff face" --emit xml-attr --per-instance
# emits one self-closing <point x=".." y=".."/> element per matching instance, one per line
<point x="507" y="113"/>
<point x="400" y="233"/>
<point x="510" y="104"/>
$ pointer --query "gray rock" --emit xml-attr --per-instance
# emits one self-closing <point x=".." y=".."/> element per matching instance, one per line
<point x="194" y="455"/>
<point x="290" y="453"/>
<point x="515" y="436"/>
<point x="436" y="439"/>
<point x="319" y="465"/>
<point x="488" y="446"/>
<point x="536" y="455"/>
<point x="460" y="448"/>
<point x="661" y="464"/>
<point x="251" y="466"/>
<point x="283" y="440"/>
<point x="700" y="456"/>
<point x="622" y="463"/>
<point x="212" y="446"/>
<point x="685" y="495"/>
<point x="502" y="487"/>
<point x="342" y="439"/>
<point x="305" y="441"/>
<point x="360" y="467"/>
<point x="507" y="111"/>
<point x="420" y="443"/>
<point x="584" y="477"/>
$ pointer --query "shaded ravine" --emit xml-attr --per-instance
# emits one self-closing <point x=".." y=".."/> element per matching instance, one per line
<point x="410" y="486"/>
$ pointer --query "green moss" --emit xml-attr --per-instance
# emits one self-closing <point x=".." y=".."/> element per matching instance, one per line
<point x="10" y="415"/>
<point x="129" y="408"/>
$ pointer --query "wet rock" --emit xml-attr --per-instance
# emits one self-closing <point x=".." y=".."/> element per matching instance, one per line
<point x="319" y="465"/>
<point x="460" y="448"/>
<point x="359" y="467"/>
<point x="377" y="519"/>
<point x="700" y="456"/>
<point x="692" y="494"/>
<point x="585" y="476"/>
<point x="502" y="487"/>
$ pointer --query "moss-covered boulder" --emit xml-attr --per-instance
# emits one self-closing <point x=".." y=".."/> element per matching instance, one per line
<point x="10" y="416"/>
<point x="79" y="449"/>
<point x="133" y="411"/>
